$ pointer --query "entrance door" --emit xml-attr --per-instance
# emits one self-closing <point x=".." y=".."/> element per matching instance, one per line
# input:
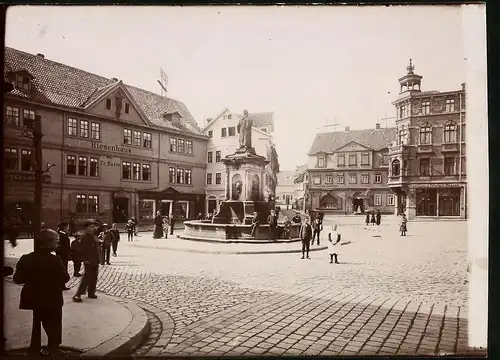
<point x="212" y="206"/>
<point x="426" y="202"/>
<point x="358" y="204"/>
<point x="165" y="207"/>
<point x="120" y="210"/>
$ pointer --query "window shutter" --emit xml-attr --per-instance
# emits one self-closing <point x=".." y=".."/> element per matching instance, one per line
<point x="72" y="202"/>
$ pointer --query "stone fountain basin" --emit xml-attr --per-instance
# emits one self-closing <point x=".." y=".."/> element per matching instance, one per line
<point x="204" y="230"/>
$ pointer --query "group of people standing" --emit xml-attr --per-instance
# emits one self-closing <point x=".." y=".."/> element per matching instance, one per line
<point x="373" y="217"/>
<point x="162" y="225"/>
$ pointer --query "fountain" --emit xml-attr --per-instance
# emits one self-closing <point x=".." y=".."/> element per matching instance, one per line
<point x="245" y="180"/>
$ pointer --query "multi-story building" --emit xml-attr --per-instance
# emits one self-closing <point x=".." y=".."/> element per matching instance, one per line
<point x="348" y="171"/>
<point x="223" y="133"/>
<point x="118" y="150"/>
<point x="300" y="182"/>
<point x="428" y="172"/>
<point x="285" y="189"/>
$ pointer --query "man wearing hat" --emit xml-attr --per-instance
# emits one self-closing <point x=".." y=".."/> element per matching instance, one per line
<point x="106" y="238"/>
<point x="44" y="277"/>
<point x="63" y="249"/>
<point x="91" y="259"/>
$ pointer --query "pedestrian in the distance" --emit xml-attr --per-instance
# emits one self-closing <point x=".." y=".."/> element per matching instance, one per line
<point x="136" y="225"/>
<point x="317" y="228"/>
<point x="403" y="228"/>
<point x="44" y="278"/>
<point x="158" y="229"/>
<point x="91" y="260"/>
<point x="305" y="235"/>
<point x="378" y="217"/>
<point x="64" y="249"/>
<point x="367" y="219"/>
<point x="255" y="223"/>
<point x="129" y="228"/>
<point x="200" y="216"/>
<point x="77" y="255"/>
<point x="333" y="241"/>
<point x="107" y="240"/>
<point x="273" y="223"/>
<point x="373" y="220"/>
<point x="172" y="224"/>
<point x="165" y="223"/>
<point x="116" y="238"/>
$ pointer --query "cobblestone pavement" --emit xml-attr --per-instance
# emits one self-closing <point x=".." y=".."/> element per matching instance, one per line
<point x="389" y="295"/>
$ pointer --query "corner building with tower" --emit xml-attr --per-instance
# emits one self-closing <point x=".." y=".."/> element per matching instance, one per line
<point x="428" y="159"/>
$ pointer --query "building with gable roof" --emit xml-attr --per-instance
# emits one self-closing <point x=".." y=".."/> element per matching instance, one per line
<point x="300" y="181"/>
<point x="428" y="158"/>
<point x="223" y="133"/>
<point x="119" y="151"/>
<point x="348" y="170"/>
<point x="285" y="189"/>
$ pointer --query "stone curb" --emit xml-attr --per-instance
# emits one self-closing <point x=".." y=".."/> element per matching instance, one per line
<point x="297" y="251"/>
<point x="129" y="338"/>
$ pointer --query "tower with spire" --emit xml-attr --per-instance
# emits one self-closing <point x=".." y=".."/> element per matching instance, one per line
<point x="410" y="82"/>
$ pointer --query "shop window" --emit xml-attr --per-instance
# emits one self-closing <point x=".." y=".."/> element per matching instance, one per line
<point x="10" y="159"/>
<point x="329" y="202"/>
<point x="26" y="160"/>
<point x="147" y="142"/>
<point x="146" y="209"/>
<point x="81" y="203"/>
<point x="82" y="166"/>
<point x="71" y="165"/>
<point x="136" y="139"/>
<point x="95" y="130"/>
<point x="136" y="171"/>
<point x="127" y="137"/>
<point x="93" y="204"/>
<point x="126" y="170"/>
<point x="84" y="128"/>
<point x="94" y="167"/>
<point x="189" y="177"/>
<point x="146" y="172"/>
<point x="12" y="116"/>
<point x="171" y="175"/>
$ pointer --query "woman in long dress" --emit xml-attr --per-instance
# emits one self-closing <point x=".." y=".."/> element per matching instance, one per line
<point x="158" y="230"/>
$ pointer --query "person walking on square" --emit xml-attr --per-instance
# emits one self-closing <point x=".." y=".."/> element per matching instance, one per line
<point x="165" y="221"/>
<point x="76" y="255"/>
<point x="116" y="238"/>
<point x="129" y="228"/>
<point x="403" y="228"/>
<point x="64" y="249"/>
<point x="378" y="217"/>
<point x="272" y="222"/>
<point x="136" y="225"/>
<point x="367" y="219"/>
<point x="172" y="224"/>
<point x="255" y="223"/>
<point x="107" y="239"/>
<point x="91" y="260"/>
<point x="44" y="277"/>
<point x="158" y="230"/>
<point x="305" y="235"/>
<point x="317" y="228"/>
<point x="373" y="221"/>
<point x="333" y="241"/>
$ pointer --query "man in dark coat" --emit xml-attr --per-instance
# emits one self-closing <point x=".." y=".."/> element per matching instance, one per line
<point x="317" y="228"/>
<point x="158" y="230"/>
<point x="44" y="277"/>
<point x="273" y="224"/>
<point x="378" y="217"/>
<point x="172" y="224"/>
<point x="91" y="259"/>
<point x="305" y="235"/>
<point x="64" y="248"/>
<point x="77" y="255"/>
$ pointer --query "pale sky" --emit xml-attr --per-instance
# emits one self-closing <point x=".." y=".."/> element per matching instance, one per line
<point x="308" y="65"/>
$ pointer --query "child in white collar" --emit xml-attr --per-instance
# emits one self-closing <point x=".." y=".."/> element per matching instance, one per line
<point x="333" y="243"/>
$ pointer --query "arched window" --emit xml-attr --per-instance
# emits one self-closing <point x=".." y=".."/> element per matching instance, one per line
<point x="450" y="133"/>
<point x="328" y="202"/>
<point x="425" y="134"/>
<point x="396" y="168"/>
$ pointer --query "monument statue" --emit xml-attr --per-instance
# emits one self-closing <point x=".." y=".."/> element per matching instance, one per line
<point x="245" y="127"/>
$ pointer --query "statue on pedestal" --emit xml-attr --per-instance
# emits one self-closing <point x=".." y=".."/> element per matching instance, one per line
<point x="245" y="128"/>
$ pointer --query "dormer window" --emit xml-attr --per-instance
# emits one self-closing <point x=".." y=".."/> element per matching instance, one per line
<point x="321" y="161"/>
<point x="22" y="82"/>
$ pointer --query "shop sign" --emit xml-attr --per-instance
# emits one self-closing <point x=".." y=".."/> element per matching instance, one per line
<point x="24" y="177"/>
<point x="451" y="185"/>
<point x="109" y="163"/>
<point x="114" y="148"/>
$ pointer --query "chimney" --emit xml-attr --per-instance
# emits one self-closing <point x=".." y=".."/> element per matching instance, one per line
<point x="114" y="79"/>
<point x="463" y="86"/>
<point x="40" y="55"/>
<point x="377" y="126"/>
<point x="347" y="128"/>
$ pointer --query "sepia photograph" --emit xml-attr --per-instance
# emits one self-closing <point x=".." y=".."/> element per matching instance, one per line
<point x="245" y="181"/>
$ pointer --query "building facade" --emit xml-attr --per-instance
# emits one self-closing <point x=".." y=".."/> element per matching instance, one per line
<point x="300" y="182"/>
<point x="348" y="171"/>
<point x="118" y="151"/>
<point x="285" y="189"/>
<point x="223" y="136"/>
<point x="428" y="158"/>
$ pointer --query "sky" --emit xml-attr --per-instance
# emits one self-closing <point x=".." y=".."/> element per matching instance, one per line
<point x="311" y="66"/>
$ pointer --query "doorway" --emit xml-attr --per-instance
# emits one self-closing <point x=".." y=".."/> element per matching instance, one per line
<point x="165" y="207"/>
<point x="120" y="210"/>
<point x="427" y="202"/>
<point x="212" y="206"/>
<point x="358" y="205"/>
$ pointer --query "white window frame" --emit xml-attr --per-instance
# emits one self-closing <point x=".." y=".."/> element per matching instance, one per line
<point x="390" y="199"/>
<point x="353" y="176"/>
<point x="317" y="180"/>
<point x="377" y="199"/>
<point x="328" y="179"/>
<point x="340" y="179"/>
<point x="365" y="179"/>
<point x="377" y="176"/>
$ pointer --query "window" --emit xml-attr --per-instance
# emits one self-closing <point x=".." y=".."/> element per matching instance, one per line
<point x="127" y="108"/>
<point x="22" y="83"/>
<point x="72" y="127"/>
<point x="93" y="204"/>
<point x="71" y="165"/>
<point x="385" y="159"/>
<point x="108" y="104"/>
<point x="449" y="166"/>
<point x="28" y="117"/>
<point x="84" y="128"/>
<point x="365" y="159"/>
<point x="329" y="179"/>
<point x="321" y="161"/>
<point x="189" y="147"/>
<point x="127" y="136"/>
<point x="364" y="178"/>
<point x="209" y="179"/>
<point x="341" y="160"/>
<point x="232" y="131"/>
<point x="95" y="130"/>
<point x="229" y="116"/>
<point x="450" y="133"/>
<point x="94" y="167"/>
<point x="450" y="105"/>
<point x="26" y="160"/>
<point x="209" y="157"/>
<point x="316" y="180"/>
<point x="223" y="132"/>
<point x="173" y="144"/>
<point x="12" y="116"/>
<point x="210" y="133"/>
<point x="171" y="175"/>
<point x="340" y="178"/>
<point x="147" y="142"/>
<point x="352" y="159"/>
<point x="10" y="160"/>
<point x="180" y="176"/>
<point x="82" y="165"/>
<point x="402" y="111"/>
<point x="126" y="170"/>
<point x="180" y="144"/>
<point x="218" y="178"/>
<point x="81" y="203"/>
<point x="377" y="199"/>
<point x="426" y="108"/>
<point x="377" y="179"/>
<point x="462" y="133"/>
<point x="396" y="168"/>
<point x="217" y="156"/>
<point x="136" y="171"/>
<point x="353" y="178"/>
<point x="189" y="177"/>
<point x="390" y="199"/>
<point x="402" y="133"/>
<point x="425" y="167"/>
<point x="425" y="134"/>
<point x="146" y="172"/>
<point x="136" y="140"/>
